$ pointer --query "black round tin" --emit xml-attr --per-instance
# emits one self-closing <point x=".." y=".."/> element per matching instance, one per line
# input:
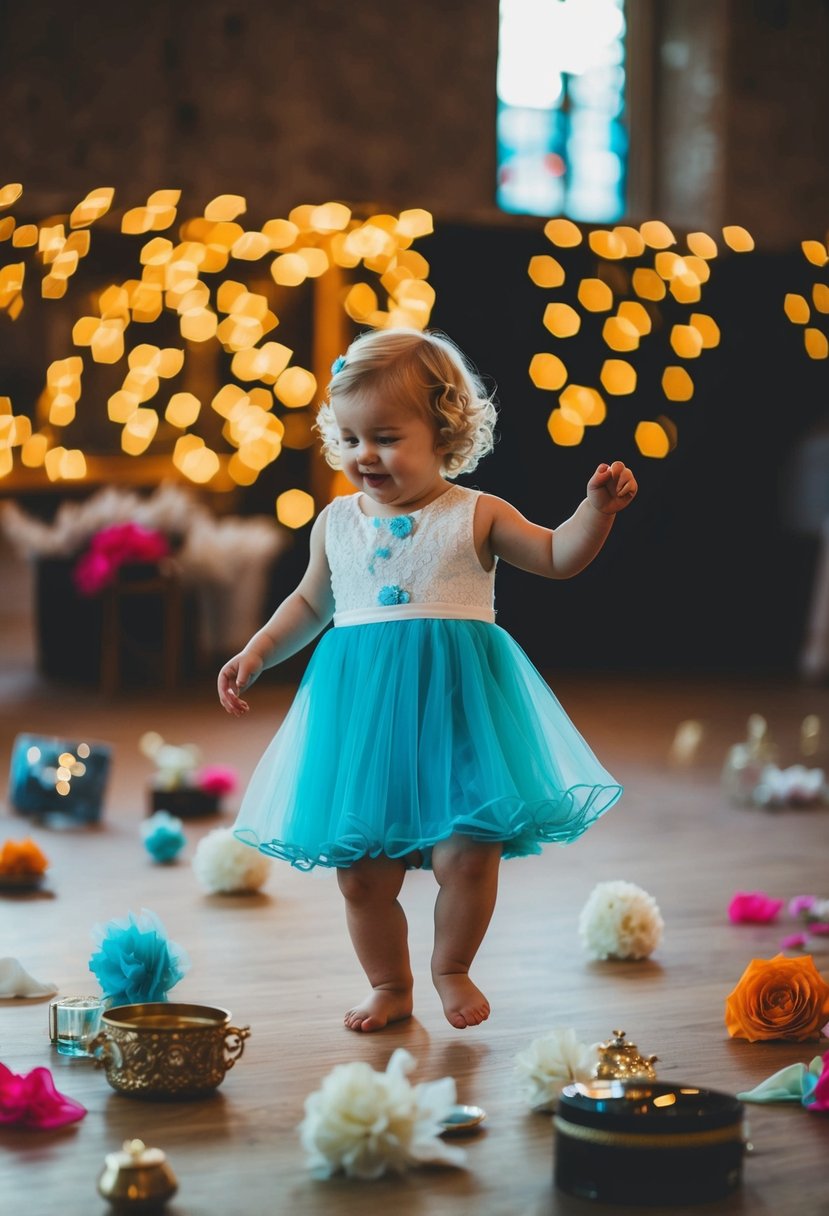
<point x="648" y="1142"/>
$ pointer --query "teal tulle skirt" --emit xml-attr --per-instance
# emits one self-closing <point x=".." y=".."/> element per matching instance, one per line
<point x="405" y="732"/>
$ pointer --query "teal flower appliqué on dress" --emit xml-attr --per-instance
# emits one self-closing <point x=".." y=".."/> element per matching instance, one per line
<point x="392" y="595"/>
<point x="401" y="525"/>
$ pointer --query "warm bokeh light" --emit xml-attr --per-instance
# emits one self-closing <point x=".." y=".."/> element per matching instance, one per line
<point x="816" y="343"/>
<point x="656" y="234"/>
<point x="225" y="208"/>
<point x="796" y="308"/>
<point x="295" y="387"/>
<point x="686" y="341"/>
<point x="595" y="295"/>
<point x="547" y="371"/>
<point x="618" y="377"/>
<point x="636" y="314"/>
<point x="563" y="233"/>
<point x="677" y="385"/>
<point x="815" y="252"/>
<point x="647" y="284"/>
<point x="607" y="245"/>
<point x="546" y="271"/>
<point x="586" y="402"/>
<point x="294" y="508"/>
<point x="620" y="334"/>
<point x="565" y="427"/>
<point x="182" y="410"/>
<point x="562" y="320"/>
<point x="820" y="297"/>
<point x="701" y="244"/>
<point x="707" y="328"/>
<point x="738" y="239"/>
<point x="652" y="440"/>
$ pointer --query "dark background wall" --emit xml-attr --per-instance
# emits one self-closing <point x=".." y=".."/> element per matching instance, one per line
<point x="394" y="105"/>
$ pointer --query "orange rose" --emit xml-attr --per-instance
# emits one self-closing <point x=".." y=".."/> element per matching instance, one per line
<point x="18" y="857"/>
<point x="778" y="998"/>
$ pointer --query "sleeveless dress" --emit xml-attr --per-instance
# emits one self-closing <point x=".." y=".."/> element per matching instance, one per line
<point x="418" y="717"/>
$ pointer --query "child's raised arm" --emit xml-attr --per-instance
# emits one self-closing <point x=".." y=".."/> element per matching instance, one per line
<point x="502" y="531"/>
<point x="297" y="621"/>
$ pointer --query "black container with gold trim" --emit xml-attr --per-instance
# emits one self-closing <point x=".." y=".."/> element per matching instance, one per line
<point x="648" y="1143"/>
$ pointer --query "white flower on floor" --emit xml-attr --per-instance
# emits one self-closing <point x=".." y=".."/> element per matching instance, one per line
<point x="620" y="920"/>
<point x="224" y="866"/>
<point x="368" y="1123"/>
<point x="552" y="1061"/>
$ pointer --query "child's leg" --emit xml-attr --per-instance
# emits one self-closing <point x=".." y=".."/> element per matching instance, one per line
<point x="379" y="933"/>
<point x="467" y="871"/>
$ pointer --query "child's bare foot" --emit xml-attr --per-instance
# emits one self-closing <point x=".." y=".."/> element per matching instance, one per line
<point x="463" y="1002"/>
<point x="383" y="1005"/>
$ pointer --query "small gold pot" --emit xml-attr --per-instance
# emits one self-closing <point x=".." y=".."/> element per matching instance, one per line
<point x="167" y="1051"/>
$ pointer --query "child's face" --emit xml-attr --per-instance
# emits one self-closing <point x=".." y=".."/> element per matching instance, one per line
<point x="389" y="452"/>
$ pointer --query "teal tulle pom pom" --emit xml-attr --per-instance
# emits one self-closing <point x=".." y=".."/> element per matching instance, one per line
<point x="163" y="836"/>
<point x="135" y="962"/>
<point x="392" y="595"/>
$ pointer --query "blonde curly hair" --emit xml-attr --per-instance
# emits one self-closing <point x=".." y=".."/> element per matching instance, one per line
<point x="425" y="371"/>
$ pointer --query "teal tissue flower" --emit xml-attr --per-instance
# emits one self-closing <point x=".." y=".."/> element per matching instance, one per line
<point x="163" y="836"/>
<point x="135" y="961"/>
<point x="392" y="595"/>
<point x="401" y="525"/>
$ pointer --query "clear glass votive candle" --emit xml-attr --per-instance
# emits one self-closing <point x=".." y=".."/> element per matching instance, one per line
<point x="73" y="1022"/>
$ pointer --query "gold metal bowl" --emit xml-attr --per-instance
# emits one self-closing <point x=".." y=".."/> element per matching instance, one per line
<point x="164" y="1051"/>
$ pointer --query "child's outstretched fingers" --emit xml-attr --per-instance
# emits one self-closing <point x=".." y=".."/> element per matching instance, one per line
<point x="231" y="681"/>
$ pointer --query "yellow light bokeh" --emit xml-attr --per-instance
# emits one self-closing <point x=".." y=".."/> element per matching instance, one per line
<point x="815" y="252"/>
<point x="686" y="341"/>
<point x="10" y="194"/>
<point x="608" y="245"/>
<point x="294" y="508"/>
<point x="652" y="440"/>
<point x="632" y="240"/>
<point x="618" y="377"/>
<point x="677" y="385"/>
<point x="701" y="244"/>
<point x="182" y="410"/>
<point x="707" y="328"/>
<point x="415" y="222"/>
<point x="562" y="320"/>
<point x="820" y="297"/>
<point x="796" y="308"/>
<point x="295" y="387"/>
<point x="547" y="371"/>
<point x="656" y="234"/>
<point x="563" y="233"/>
<point x="737" y="238"/>
<point x="360" y="302"/>
<point x="225" y="208"/>
<point x="637" y="314"/>
<point x="595" y="295"/>
<point x="620" y="334"/>
<point x="546" y="271"/>
<point x="816" y="343"/>
<point x="586" y="402"/>
<point x="647" y="284"/>
<point x="289" y="270"/>
<point x="565" y="428"/>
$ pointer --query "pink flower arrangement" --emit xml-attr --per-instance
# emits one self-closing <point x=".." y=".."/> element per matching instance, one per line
<point x="753" y="908"/>
<point x="113" y="547"/>
<point x="31" y="1100"/>
<point x="216" y="779"/>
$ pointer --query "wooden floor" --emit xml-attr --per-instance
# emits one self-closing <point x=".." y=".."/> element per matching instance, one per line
<point x="281" y="961"/>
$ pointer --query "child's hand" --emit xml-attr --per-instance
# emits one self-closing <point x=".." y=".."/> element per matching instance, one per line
<point x="611" y="488"/>
<point x="236" y="675"/>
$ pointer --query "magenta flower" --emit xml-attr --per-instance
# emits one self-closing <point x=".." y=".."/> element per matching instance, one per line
<point x="31" y="1100"/>
<point x="801" y="904"/>
<point x="216" y="779"/>
<point x="818" y="926"/>
<point x="816" y="1089"/>
<point x="794" y="941"/>
<point x="753" y="908"/>
<point x="113" y="547"/>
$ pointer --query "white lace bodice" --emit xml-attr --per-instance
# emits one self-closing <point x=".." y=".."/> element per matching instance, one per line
<point x="422" y="564"/>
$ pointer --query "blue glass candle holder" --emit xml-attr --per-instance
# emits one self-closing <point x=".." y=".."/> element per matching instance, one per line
<point x="59" y="779"/>
<point x="73" y="1023"/>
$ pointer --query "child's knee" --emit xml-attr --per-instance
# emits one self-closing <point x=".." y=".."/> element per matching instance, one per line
<point x="368" y="880"/>
<point x="465" y="859"/>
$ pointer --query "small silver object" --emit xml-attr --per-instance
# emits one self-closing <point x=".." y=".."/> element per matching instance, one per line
<point x="462" y="1118"/>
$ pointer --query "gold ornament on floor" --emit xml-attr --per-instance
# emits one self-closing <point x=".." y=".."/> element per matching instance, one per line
<point x="620" y="1060"/>
<point x="137" y="1178"/>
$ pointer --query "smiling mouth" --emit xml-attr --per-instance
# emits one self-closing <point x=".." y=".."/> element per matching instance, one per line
<point x="375" y="479"/>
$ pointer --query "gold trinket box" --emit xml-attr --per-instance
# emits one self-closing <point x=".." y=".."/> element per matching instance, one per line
<point x="620" y="1060"/>
<point x="164" y="1050"/>
<point x="137" y="1179"/>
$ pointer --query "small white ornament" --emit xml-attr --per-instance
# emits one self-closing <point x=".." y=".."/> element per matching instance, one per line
<point x="620" y="920"/>
<point x="223" y="865"/>
<point x="552" y="1061"/>
<point x="366" y="1123"/>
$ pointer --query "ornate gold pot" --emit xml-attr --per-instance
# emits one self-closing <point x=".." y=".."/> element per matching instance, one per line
<point x="166" y="1051"/>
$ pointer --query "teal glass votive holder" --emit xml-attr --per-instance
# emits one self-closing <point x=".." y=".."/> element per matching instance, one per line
<point x="73" y="1023"/>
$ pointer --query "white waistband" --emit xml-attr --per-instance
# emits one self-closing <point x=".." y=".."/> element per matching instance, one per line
<point x="411" y="612"/>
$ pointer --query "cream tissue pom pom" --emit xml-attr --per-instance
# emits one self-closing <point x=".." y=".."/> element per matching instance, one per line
<point x="620" y="920"/>
<point x="366" y="1123"/>
<point x="551" y="1062"/>
<point x="223" y="865"/>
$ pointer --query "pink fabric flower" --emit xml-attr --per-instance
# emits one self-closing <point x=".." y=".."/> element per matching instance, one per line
<point x="818" y="1099"/>
<point x="794" y="941"/>
<point x="31" y="1100"/>
<point x="114" y="547"/>
<point x="216" y="779"/>
<point x="818" y="926"/>
<point x="801" y="904"/>
<point x="753" y="908"/>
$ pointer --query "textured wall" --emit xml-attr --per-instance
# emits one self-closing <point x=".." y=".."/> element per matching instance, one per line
<point x="288" y="101"/>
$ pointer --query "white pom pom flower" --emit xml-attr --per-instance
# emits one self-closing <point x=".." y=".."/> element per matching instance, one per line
<point x="366" y="1123"/>
<point x="620" y="920"/>
<point x="224" y="866"/>
<point x="551" y="1062"/>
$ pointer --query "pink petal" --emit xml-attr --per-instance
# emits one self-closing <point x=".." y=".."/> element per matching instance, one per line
<point x="818" y="926"/>
<point x="36" y="1103"/>
<point x="753" y="907"/>
<point x="795" y="941"/>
